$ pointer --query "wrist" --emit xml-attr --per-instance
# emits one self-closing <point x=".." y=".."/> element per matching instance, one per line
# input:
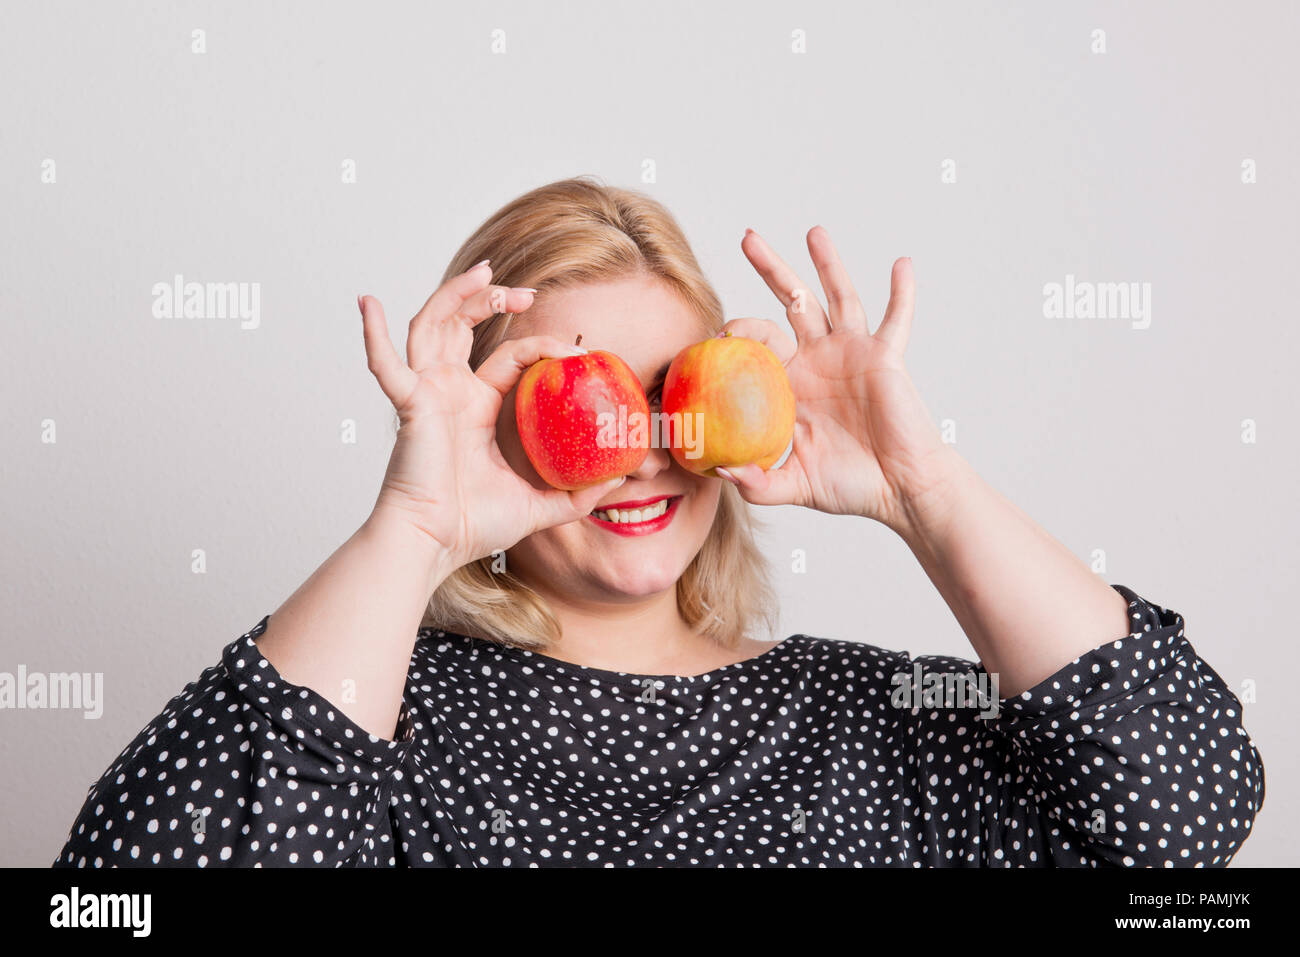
<point x="389" y="526"/>
<point x="928" y="501"/>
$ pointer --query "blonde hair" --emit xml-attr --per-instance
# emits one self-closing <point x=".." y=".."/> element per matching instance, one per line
<point x="568" y="233"/>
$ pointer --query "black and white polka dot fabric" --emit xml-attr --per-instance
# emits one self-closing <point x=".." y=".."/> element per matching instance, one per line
<point x="1132" y="755"/>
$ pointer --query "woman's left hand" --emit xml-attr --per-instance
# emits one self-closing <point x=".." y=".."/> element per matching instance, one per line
<point x="864" y="443"/>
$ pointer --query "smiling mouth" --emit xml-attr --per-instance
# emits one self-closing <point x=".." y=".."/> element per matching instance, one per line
<point x="637" y="518"/>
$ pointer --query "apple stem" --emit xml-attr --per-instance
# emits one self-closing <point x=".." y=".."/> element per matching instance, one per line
<point x="578" y="341"/>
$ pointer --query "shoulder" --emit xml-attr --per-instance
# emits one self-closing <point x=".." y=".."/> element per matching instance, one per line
<point x="450" y="647"/>
<point x="837" y="659"/>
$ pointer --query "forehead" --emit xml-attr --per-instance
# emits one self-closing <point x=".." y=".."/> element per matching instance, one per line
<point x="640" y="319"/>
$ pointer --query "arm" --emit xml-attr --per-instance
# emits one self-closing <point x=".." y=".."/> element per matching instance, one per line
<point x="377" y="585"/>
<point x="1007" y="580"/>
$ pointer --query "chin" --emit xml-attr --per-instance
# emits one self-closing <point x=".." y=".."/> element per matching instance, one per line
<point x="639" y="579"/>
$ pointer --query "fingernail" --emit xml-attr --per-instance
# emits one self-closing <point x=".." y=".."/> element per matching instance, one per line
<point x="361" y="305"/>
<point x="748" y="230"/>
<point x="477" y="265"/>
<point x="727" y="475"/>
<point x="525" y="288"/>
<point x="577" y="351"/>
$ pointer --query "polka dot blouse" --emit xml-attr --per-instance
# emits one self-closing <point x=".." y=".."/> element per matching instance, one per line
<point x="1133" y="754"/>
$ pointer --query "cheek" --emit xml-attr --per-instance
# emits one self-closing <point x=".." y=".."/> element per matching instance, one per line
<point x="704" y="504"/>
<point x="547" y="553"/>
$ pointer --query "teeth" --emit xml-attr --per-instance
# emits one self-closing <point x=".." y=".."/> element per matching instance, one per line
<point x="628" y="516"/>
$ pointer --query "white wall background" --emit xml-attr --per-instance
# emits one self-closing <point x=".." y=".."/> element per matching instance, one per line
<point x="176" y="434"/>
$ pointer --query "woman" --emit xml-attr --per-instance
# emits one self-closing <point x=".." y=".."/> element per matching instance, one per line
<point x="490" y="672"/>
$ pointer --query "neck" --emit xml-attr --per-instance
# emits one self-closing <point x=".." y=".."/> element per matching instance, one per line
<point x="643" y="636"/>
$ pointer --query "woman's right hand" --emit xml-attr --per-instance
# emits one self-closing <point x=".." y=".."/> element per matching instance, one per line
<point x="446" y="476"/>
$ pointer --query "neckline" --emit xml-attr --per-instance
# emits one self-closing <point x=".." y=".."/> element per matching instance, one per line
<point x="547" y="663"/>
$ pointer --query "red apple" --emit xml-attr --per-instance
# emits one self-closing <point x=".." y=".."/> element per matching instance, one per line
<point x="740" y="400"/>
<point x="559" y="407"/>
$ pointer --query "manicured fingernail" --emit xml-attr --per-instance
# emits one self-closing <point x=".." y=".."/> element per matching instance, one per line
<point x="525" y="288"/>
<point x="577" y="351"/>
<point x="727" y="475"/>
<point x="360" y="304"/>
<point x="477" y="265"/>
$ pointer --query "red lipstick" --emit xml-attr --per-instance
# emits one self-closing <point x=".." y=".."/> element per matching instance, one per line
<point x="638" y="528"/>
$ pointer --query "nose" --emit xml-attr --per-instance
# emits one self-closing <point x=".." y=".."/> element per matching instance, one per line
<point x="657" y="460"/>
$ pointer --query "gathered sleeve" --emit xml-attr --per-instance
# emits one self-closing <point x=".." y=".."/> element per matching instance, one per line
<point x="1133" y="754"/>
<point x="243" y="768"/>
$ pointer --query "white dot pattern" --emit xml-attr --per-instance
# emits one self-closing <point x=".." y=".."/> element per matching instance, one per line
<point x="1134" y="754"/>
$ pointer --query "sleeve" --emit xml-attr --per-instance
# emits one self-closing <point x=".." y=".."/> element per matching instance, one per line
<point x="1133" y="754"/>
<point x="243" y="768"/>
